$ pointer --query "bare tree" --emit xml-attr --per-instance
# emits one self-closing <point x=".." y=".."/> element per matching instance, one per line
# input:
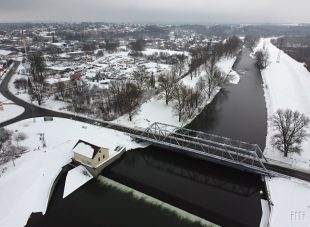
<point x="180" y="96"/>
<point x="290" y="131"/>
<point x="251" y="41"/>
<point x="262" y="59"/>
<point x="140" y="76"/>
<point x="61" y="89"/>
<point x="132" y="98"/>
<point x="179" y="68"/>
<point x="37" y="67"/>
<point x="138" y="45"/>
<point x="20" y="137"/>
<point x="167" y="83"/>
<point x="151" y="82"/>
<point x="5" y="136"/>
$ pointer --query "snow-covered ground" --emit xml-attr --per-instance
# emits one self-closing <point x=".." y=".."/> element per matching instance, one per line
<point x="25" y="188"/>
<point x="75" y="179"/>
<point x="291" y="203"/>
<point x="286" y="85"/>
<point x="156" y="110"/>
<point x="10" y="110"/>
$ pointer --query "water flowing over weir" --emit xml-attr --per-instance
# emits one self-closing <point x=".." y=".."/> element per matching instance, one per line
<point x="222" y="195"/>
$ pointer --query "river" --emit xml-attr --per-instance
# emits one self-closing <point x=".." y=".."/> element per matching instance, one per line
<point x="222" y="195"/>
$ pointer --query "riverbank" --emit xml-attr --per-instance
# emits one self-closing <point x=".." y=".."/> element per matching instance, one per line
<point x="29" y="182"/>
<point x="286" y="86"/>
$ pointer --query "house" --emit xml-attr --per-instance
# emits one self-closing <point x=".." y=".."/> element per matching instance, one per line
<point x="89" y="154"/>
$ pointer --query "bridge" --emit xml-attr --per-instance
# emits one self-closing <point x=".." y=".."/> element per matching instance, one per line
<point x="234" y="153"/>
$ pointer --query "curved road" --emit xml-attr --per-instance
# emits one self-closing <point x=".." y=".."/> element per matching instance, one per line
<point x="32" y="111"/>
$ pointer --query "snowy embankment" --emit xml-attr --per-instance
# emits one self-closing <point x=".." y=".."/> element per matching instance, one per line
<point x="291" y="202"/>
<point x="75" y="179"/>
<point x="156" y="110"/>
<point x="25" y="188"/>
<point x="286" y="86"/>
<point x="10" y="110"/>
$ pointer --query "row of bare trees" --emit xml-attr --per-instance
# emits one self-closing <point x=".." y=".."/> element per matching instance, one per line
<point x="213" y="52"/>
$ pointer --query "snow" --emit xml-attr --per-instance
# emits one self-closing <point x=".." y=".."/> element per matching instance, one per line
<point x="25" y="188"/>
<point x="266" y="213"/>
<point x="286" y="85"/>
<point x="55" y="80"/>
<point x="225" y="65"/>
<point x="59" y="68"/>
<point x="75" y="179"/>
<point x="170" y="52"/>
<point x="5" y="52"/>
<point x="10" y="110"/>
<point x="156" y="110"/>
<point x="291" y="202"/>
<point x="84" y="149"/>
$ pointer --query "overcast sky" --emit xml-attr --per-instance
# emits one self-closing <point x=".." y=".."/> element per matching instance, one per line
<point x="157" y="11"/>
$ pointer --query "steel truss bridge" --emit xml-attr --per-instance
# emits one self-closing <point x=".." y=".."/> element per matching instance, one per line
<point x="235" y="153"/>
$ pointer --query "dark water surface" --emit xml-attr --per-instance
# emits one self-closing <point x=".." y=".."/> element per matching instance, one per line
<point x="238" y="111"/>
<point x="220" y="194"/>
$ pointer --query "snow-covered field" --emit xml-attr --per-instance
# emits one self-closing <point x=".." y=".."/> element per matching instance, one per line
<point x="156" y="110"/>
<point x="291" y="203"/>
<point x="10" y="110"/>
<point x="286" y="85"/>
<point x="25" y="188"/>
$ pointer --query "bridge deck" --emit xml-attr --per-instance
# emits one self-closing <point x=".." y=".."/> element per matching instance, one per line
<point x="226" y="151"/>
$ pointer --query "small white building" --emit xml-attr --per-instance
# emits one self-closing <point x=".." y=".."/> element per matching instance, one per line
<point x="89" y="154"/>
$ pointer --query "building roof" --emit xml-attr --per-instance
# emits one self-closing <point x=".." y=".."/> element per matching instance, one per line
<point x="86" y="149"/>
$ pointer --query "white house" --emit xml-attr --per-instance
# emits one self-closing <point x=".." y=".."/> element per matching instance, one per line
<point x="89" y="154"/>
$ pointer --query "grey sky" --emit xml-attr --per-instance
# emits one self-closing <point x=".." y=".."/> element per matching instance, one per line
<point x="191" y="11"/>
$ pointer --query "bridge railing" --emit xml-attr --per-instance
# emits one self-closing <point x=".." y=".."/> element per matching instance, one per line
<point x="217" y="147"/>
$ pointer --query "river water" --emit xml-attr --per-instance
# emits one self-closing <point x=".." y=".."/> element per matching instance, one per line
<point x="222" y="195"/>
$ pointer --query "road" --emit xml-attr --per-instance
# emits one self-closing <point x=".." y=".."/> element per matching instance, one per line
<point x="32" y="111"/>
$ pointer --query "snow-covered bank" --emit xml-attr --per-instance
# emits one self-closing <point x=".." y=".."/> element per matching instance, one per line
<point x="75" y="179"/>
<point x="10" y="110"/>
<point x="156" y="110"/>
<point x="286" y="85"/>
<point x="25" y="187"/>
<point x="291" y="202"/>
